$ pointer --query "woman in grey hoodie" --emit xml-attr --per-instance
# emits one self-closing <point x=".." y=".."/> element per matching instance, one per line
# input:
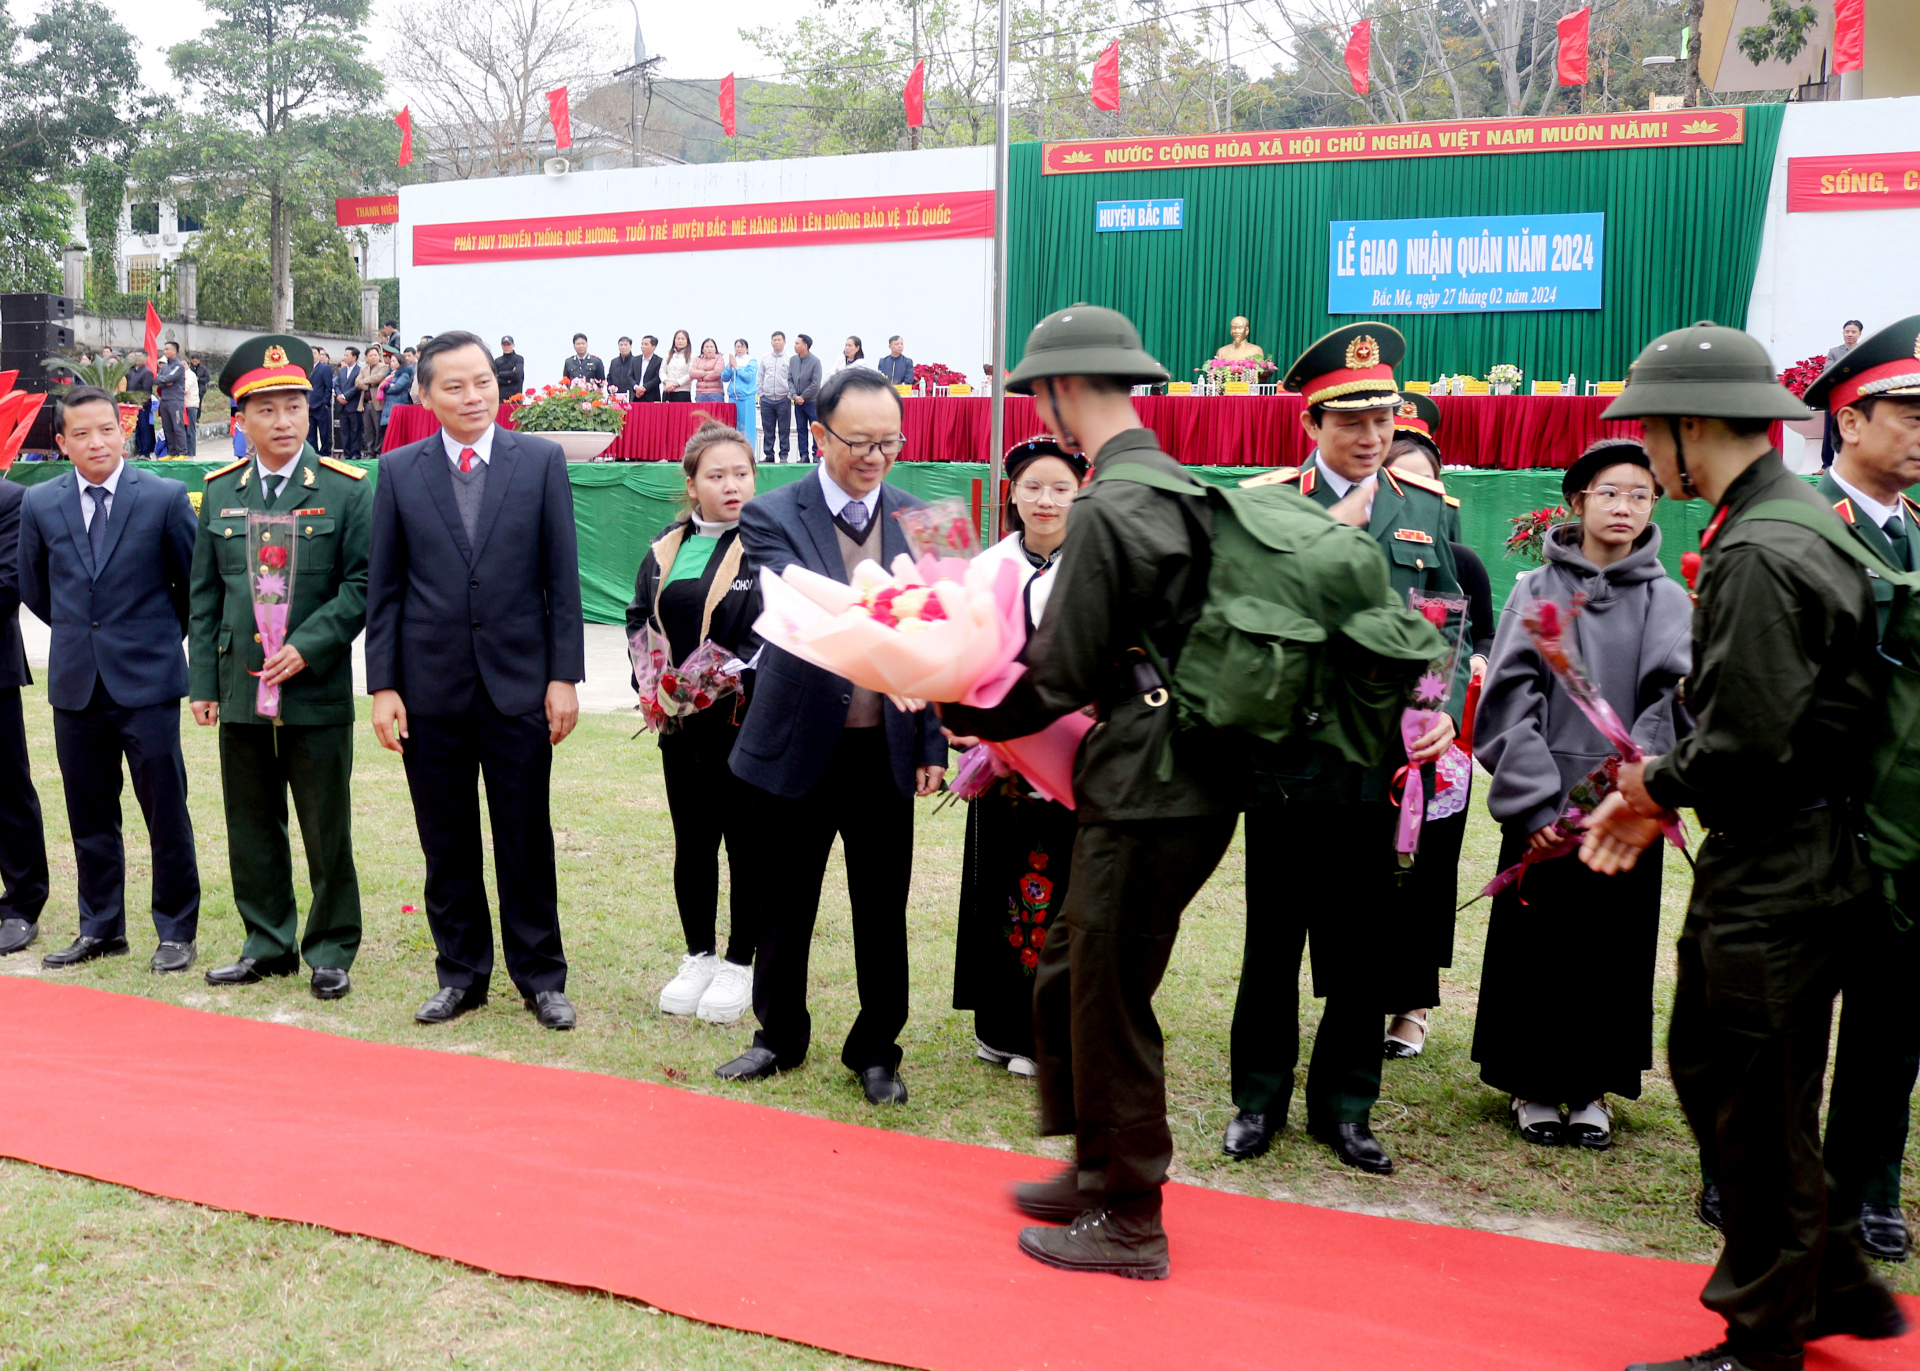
<point x="1566" y="939"/>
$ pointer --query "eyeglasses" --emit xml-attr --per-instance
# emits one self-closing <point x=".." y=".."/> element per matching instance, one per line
<point x="1063" y="491"/>
<point x="1608" y="495"/>
<point x="886" y="447"/>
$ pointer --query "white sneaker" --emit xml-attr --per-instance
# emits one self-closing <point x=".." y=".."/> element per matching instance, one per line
<point x="1018" y="1065"/>
<point x="1022" y="1066"/>
<point x="729" y="995"/>
<point x="689" y="983"/>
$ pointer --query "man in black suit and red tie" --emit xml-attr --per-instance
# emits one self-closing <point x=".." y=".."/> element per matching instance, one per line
<point x="23" y="842"/>
<point x="474" y="646"/>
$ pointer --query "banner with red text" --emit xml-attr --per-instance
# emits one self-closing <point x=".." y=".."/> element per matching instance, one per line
<point x="367" y="209"/>
<point x="1878" y="180"/>
<point x="710" y="228"/>
<point x="1453" y="138"/>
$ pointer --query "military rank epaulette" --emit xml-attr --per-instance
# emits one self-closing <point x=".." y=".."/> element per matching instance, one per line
<point x="1274" y="478"/>
<point x="1844" y="508"/>
<point x="227" y="470"/>
<point x="1453" y="500"/>
<point x="354" y="473"/>
<point x="1426" y="483"/>
<point x="1913" y="505"/>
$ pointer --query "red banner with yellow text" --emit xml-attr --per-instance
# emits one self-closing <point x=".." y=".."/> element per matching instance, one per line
<point x="1878" y="180"/>
<point x="1454" y="138"/>
<point x="367" y="209"/>
<point x="710" y="228"/>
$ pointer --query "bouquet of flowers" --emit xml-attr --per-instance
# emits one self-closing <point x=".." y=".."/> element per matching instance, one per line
<point x="1504" y="374"/>
<point x="270" y="568"/>
<point x="927" y="375"/>
<point x="1800" y="375"/>
<point x="574" y="406"/>
<point x="1568" y="829"/>
<point x="1530" y="532"/>
<point x="669" y="694"/>
<point x="1448" y="613"/>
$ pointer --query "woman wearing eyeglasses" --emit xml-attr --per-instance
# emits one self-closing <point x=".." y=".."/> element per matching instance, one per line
<point x="1566" y="990"/>
<point x="1013" y="880"/>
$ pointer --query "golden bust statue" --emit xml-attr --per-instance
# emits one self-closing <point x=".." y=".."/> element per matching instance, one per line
<point x="1240" y="349"/>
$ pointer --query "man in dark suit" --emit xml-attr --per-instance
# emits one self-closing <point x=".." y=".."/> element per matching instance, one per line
<point x="832" y="758"/>
<point x="320" y="405"/>
<point x="105" y="556"/>
<point x="346" y="400"/>
<point x="646" y="372"/>
<point x="474" y="646"/>
<point x="583" y="365"/>
<point x="509" y="369"/>
<point x="622" y="370"/>
<point x="23" y="841"/>
<point x="170" y="385"/>
<point x="140" y="378"/>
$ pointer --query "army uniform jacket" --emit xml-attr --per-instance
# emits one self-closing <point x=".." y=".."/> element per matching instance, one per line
<point x="334" y="506"/>
<point x="1127" y="574"/>
<point x="1784" y="641"/>
<point x="1875" y="540"/>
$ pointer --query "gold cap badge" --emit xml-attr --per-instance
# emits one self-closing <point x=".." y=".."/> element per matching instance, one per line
<point x="276" y="356"/>
<point x="1363" y="352"/>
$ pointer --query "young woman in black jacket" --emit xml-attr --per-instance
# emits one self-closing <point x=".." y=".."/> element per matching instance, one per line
<point x="695" y="584"/>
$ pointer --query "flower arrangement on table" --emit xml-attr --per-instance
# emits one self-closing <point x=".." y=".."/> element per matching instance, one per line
<point x="1504" y="374"/>
<point x="1800" y="375"/>
<point x="578" y="406"/>
<point x="1529" y="536"/>
<point x="927" y="375"/>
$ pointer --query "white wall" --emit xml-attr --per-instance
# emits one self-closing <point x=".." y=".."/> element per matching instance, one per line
<point x="934" y="293"/>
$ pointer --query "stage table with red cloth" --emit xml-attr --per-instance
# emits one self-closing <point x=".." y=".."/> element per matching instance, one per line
<point x="652" y="433"/>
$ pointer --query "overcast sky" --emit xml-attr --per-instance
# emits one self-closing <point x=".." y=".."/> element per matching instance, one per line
<point x="695" y="40"/>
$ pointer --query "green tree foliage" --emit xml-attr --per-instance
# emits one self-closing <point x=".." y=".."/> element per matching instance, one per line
<point x="233" y="257"/>
<point x="32" y="234"/>
<point x="1783" y="35"/>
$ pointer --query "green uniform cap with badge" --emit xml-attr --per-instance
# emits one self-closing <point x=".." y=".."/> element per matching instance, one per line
<point x="1886" y="363"/>
<point x="267" y="364"/>
<point x="1708" y="372"/>
<point x="1085" y="340"/>
<point x="1350" y="368"/>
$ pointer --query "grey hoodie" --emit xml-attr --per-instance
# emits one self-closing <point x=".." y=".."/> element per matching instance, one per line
<point x="1633" y="634"/>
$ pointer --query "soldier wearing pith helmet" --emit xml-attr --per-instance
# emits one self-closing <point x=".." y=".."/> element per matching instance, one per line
<point x="1783" y="684"/>
<point x="317" y="553"/>
<point x="1148" y="837"/>
<point x="1349" y="902"/>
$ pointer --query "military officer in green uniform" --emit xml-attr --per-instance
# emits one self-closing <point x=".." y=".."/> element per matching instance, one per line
<point x="308" y="749"/>
<point x="1784" y="679"/>
<point x="1418" y="421"/>
<point x="1147" y="841"/>
<point x="1873" y="396"/>
<point x="1321" y="867"/>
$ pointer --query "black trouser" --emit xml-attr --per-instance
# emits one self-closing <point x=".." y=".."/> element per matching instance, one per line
<point x="143" y="433"/>
<point x="1752" y="1009"/>
<point x="1102" y="1060"/>
<point x="23" y="838"/>
<point x="803" y="417"/>
<point x="90" y="743"/>
<point x="173" y="423"/>
<point x="320" y="430"/>
<point x="1877" y="1057"/>
<point x="370" y="426"/>
<point x="193" y="430"/>
<point x="710" y="806"/>
<point x="776" y="414"/>
<point x="857" y="799"/>
<point x="349" y="433"/>
<point x="446" y="758"/>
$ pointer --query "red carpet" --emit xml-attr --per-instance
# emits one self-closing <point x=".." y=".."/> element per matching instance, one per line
<point x="874" y="1244"/>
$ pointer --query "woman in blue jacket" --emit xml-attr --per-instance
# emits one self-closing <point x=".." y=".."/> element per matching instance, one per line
<point x="742" y="379"/>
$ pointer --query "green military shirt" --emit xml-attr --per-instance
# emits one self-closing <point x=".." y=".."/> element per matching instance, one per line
<point x="1872" y="536"/>
<point x="333" y="505"/>
<point x="1784" y="641"/>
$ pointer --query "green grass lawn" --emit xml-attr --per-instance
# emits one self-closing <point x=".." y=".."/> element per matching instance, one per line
<point x="97" y="1276"/>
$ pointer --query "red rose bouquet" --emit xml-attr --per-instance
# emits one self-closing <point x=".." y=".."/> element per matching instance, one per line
<point x="270" y="565"/>
<point x="1448" y="613"/>
<point x="669" y="694"/>
<point x="1530" y="532"/>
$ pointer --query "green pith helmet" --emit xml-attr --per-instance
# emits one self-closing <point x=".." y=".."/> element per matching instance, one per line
<point x="1085" y="340"/>
<point x="1706" y="371"/>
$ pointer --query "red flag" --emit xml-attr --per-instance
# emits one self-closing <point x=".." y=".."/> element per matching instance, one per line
<point x="1849" y="34"/>
<point x="1572" y="62"/>
<point x="1106" y="78"/>
<point x="726" y="104"/>
<point x="557" y="112"/>
<point x="916" y="96"/>
<point x="1359" y="44"/>
<point x="153" y="336"/>
<point x="405" y="120"/>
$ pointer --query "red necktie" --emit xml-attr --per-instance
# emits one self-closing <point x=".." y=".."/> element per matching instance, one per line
<point x="466" y="460"/>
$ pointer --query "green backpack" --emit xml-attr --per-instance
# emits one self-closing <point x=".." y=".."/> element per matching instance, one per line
<point x="1893" y="794"/>
<point x="1299" y="638"/>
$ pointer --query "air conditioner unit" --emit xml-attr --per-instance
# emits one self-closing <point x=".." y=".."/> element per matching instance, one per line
<point x="557" y="166"/>
<point x="169" y="239"/>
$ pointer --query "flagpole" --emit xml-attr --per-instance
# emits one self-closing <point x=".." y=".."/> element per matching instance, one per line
<point x="997" y="430"/>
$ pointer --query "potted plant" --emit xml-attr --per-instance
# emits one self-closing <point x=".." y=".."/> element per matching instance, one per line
<point x="106" y="374"/>
<point x="1233" y="375"/>
<point x="1530" y="532"/>
<point x="582" y="416"/>
<point x="937" y="378"/>
<point x="1503" y="378"/>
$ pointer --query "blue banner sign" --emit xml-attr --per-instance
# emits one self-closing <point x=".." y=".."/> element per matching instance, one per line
<point x="1127" y="216"/>
<point x="1465" y="266"/>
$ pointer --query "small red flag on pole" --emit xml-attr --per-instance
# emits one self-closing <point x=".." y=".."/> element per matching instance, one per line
<point x="405" y="120"/>
<point x="557" y="112"/>
<point x="726" y="104"/>
<point x="1106" y="78"/>
<point x="916" y="96"/>
<point x="1572" y="62"/>
<point x="1359" y="45"/>
<point x="153" y="335"/>
<point x="1849" y="34"/>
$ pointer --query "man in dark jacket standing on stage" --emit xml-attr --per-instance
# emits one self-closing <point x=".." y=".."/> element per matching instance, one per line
<point x="509" y="370"/>
<point x="23" y="840"/>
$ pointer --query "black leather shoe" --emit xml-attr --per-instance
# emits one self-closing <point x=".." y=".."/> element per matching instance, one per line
<point x="449" y="1003"/>
<point x="883" y="1085"/>
<point x="1106" y="1241"/>
<point x="553" y="1009"/>
<point x="330" y="982"/>
<point x="169" y="957"/>
<point x="1883" y="1232"/>
<point x="17" y="935"/>
<point x="85" y="949"/>
<point x="1354" y="1144"/>
<point x="1867" y="1312"/>
<point x="755" y="1064"/>
<point x="1058" y="1199"/>
<point x="1247" y="1136"/>
<point x="252" y="970"/>
<point x="1713" y="1359"/>
<point x="1708" y="1210"/>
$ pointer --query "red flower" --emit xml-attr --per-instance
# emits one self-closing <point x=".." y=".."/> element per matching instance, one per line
<point x="1039" y="916"/>
<point x="701" y="699"/>
<point x="1029" y="958"/>
<point x="1037" y="860"/>
<point x="933" y="609"/>
<point x="1549" y="618"/>
<point x="669" y="683"/>
<point x="1014" y="938"/>
<point x="273" y="555"/>
<point x="1038" y="937"/>
<point x="1690" y="567"/>
<point x="1035" y="888"/>
<point x="1435" y="612"/>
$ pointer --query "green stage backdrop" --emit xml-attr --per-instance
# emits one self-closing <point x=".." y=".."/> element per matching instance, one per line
<point x="1682" y="240"/>
<point x="620" y="507"/>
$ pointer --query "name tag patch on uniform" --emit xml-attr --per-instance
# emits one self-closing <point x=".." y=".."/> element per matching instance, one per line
<point x="1412" y="535"/>
<point x="299" y="512"/>
<point x="233" y="514"/>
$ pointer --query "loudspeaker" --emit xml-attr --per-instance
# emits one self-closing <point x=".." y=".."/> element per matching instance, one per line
<point x="29" y="362"/>
<point x="29" y="335"/>
<point x="35" y="305"/>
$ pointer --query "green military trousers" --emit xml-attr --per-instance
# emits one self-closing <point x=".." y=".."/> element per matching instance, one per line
<point x="1101" y="1058"/>
<point x="259" y="764"/>
<point x="1877" y="1057"/>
